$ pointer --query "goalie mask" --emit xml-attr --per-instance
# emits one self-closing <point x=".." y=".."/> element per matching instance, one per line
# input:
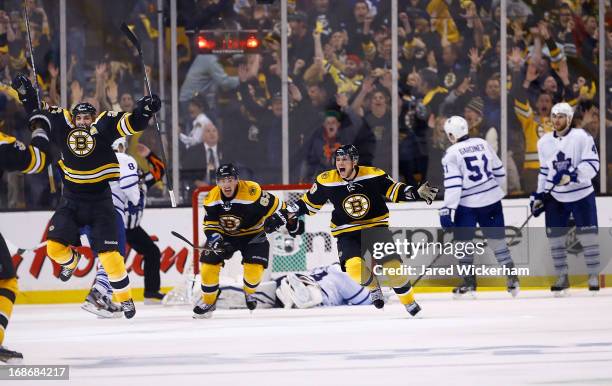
<point x="299" y="291"/>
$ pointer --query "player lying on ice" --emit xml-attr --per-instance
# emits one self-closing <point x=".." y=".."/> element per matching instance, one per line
<point x="234" y="221"/>
<point x="358" y="195"/>
<point x="325" y="286"/>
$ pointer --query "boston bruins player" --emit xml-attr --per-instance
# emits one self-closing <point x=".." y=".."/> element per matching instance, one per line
<point x="358" y="194"/>
<point x="88" y="163"/>
<point x="234" y="221"/>
<point x="15" y="156"/>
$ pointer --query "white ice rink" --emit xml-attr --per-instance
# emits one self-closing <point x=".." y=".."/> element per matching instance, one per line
<point x="495" y="340"/>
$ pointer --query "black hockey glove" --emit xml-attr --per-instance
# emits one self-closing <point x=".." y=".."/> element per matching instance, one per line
<point x="148" y="105"/>
<point x="27" y="93"/>
<point x="39" y="121"/>
<point x="219" y="247"/>
<point x="295" y="227"/>
<point x="424" y="192"/>
<point x="277" y="220"/>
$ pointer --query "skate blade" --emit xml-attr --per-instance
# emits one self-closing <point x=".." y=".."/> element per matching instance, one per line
<point x="152" y="302"/>
<point x="11" y="361"/>
<point x="514" y="292"/>
<point x="561" y="294"/>
<point x="96" y="311"/>
<point x="202" y="316"/>
<point x="470" y="294"/>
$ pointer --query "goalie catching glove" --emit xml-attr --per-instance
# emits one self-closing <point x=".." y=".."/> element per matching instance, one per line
<point x="424" y="192"/>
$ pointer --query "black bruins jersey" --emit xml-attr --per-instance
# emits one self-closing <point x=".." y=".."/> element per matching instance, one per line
<point x="16" y="156"/>
<point x="88" y="162"/>
<point x="242" y="215"/>
<point x="358" y="204"/>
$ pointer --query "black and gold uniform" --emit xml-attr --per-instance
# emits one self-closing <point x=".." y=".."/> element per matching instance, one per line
<point x="16" y="156"/>
<point x="239" y="222"/>
<point x="88" y="163"/>
<point x="360" y="204"/>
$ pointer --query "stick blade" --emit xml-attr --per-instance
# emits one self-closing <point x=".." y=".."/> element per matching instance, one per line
<point x="130" y="35"/>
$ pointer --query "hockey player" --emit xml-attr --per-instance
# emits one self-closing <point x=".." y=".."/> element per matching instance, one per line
<point x="137" y="238"/>
<point x="234" y="221"/>
<point x="124" y="192"/>
<point x="568" y="163"/>
<point x="88" y="164"/>
<point x="15" y="156"/>
<point x="473" y="180"/>
<point x="358" y="194"/>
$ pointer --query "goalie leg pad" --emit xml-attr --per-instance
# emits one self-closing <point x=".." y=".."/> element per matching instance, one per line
<point x="299" y="290"/>
<point x="8" y="294"/>
<point x="253" y="274"/>
<point x="114" y="266"/>
<point x="209" y="273"/>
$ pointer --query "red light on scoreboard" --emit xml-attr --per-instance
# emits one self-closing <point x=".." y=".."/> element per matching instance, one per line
<point x="228" y="42"/>
<point x="252" y="42"/>
<point x="205" y="44"/>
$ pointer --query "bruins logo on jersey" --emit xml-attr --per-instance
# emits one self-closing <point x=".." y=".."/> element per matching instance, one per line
<point x="81" y="143"/>
<point x="356" y="205"/>
<point x="230" y="223"/>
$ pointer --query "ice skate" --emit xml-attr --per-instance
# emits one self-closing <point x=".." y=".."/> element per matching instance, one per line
<point x="10" y="357"/>
<point x="594" y="283"/>
<point x="413" y="308"/>
<point x="250" y="301"/>
<point x="153" y="298"/>
<point x="203" y="310"/>
<point x="129" y="309"/>
<point x="101" y="305"/>
<point x="561" y="286"/>
<point x="66" y="273"/>
<point x="468" y="287"/>
<point x="512" y="285"/>
<point x="377" y="297"/>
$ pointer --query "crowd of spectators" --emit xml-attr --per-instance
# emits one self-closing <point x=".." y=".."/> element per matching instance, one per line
<point x="340" y="84"/>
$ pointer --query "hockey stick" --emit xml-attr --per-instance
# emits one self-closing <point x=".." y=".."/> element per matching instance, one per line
<point x="134" y="40"/>
<point x="38" y="102"/>
<point x="19" y="251"/>
<point x="183" y="238"/>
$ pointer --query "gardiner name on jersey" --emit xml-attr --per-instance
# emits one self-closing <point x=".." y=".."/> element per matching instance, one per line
<point x="473" y="174"/>
<point x="575" y="151"/>
<point x="242" y="215"/>
<point x="358" y="204"/>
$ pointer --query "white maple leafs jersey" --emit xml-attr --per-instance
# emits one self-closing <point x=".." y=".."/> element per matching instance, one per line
<point x="338" y="288"/>
<point x="473" y="175"/>
<point x="126" y="189"/>
<point x="575" y="151"/>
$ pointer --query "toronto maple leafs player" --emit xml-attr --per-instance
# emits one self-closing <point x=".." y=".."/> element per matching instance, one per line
<point x="568" y="162"/>
<point x="473" y="180"/>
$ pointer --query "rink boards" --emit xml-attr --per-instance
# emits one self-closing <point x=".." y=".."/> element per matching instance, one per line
<point x="38" y="276"/>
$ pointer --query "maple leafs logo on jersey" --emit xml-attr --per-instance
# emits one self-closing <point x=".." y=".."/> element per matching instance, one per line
<point x="562" y="163"/>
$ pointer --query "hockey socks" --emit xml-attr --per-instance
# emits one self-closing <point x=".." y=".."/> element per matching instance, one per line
<point x="209" y="273"/>
<point x="117" y="275"/>
<point x="8" y="294"/>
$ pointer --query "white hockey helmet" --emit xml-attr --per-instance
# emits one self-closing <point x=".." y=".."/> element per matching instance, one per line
<point x="121" y="141"/>
<point x="565" y="109"/>
<point x="456" y="127"/>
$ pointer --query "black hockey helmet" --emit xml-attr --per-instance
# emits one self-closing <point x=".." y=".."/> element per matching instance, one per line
<point x="84" y="108"/>
<point x="226" y="170"/>
<point x="347" y="150"/>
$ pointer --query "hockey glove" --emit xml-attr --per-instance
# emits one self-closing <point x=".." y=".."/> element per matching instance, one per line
<point x="277" y="220"/>
<point x="148" y="105"/>
<point x="295" y="227"/>
<point x="219" y="247"/>
<point x="564" y="177"/>
<point x="536" y="204"/>
<point x="425" y="192"/>
<point x="39" y="121"/>
<point x="446" y="221"/>
<point x="27" y="93"/>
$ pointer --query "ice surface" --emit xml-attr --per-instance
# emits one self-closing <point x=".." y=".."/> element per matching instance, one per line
<point x="495" y="340"/>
